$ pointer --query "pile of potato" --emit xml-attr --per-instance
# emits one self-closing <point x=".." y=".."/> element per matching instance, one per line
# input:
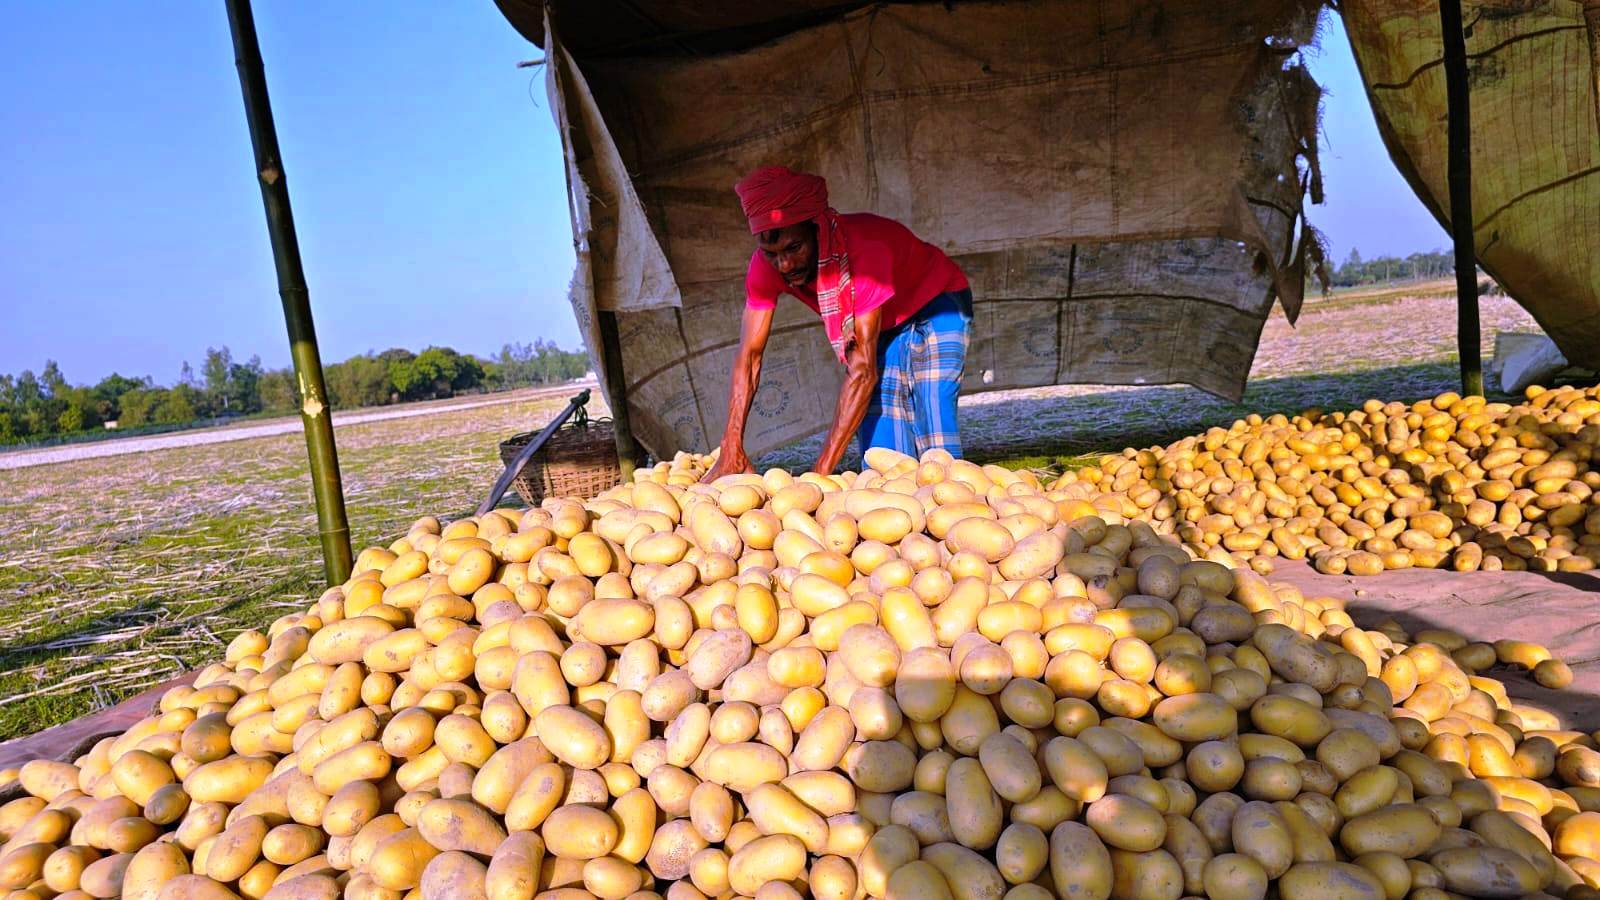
<point x="1450" y="482"/>
<point x="927" y="680"/>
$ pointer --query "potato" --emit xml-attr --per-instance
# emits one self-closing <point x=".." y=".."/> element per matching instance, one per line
<point x="579" y="832"/>
<point x="1406" y="830"/>
<point x="1329" y="879"/>
<point x="24" y="864"/>
<point x="573" y="737"/>
<point x="151" y="868"/>
<point x="1126" y="823"/>
<point x="775" y="810"/>
<point x="62" y="868"/>
<point x="347" y="640"/>
<point x="47" y="779"/>
<point x="1022" y="853"/>
<point x="1080" y="865"/>
<point x="313" y="886"/>
<point x="974" y="810"/>
<point x="365" y="761"/>
<point x="778" y="857"/>
<point x="236" y="849"/>
<point x="1235" y="875"/>
<point x="1195" y="718"/>
<point x="104" y="876"/>
<point x="614" y="621"/>
<point x="399" y="859"/>
<point x="1010" y="767"/>
<point x="229" y="780"/>
<point x="513" y="872"/>
<point x="1259" y="832"/>
<point x="741" y="767"/>
<point x="1486" y="871"/>
<point x="138" y="774"/>
<point x="454" y="874"/>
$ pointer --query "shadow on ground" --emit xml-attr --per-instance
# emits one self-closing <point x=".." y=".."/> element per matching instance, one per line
<point x="1056" y="427"/>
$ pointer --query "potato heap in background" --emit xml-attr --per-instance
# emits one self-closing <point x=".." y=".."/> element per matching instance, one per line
<point x="929" y="680"/>
<point x="1452" y="482"/>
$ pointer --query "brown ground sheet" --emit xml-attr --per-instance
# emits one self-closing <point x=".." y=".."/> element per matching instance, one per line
<point x="1559" y="610"/>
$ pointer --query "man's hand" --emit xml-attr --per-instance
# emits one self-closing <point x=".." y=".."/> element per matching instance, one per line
<point x="730" y="461"/>
<point x="860" y="381"/>
<point x="754" y="330"/>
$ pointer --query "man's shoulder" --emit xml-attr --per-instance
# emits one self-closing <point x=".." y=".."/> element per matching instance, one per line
<point x="872" y="229"/>
<point x="870" y="221"/>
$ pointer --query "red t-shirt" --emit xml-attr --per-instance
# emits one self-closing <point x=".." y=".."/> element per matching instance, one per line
<point x="889" y="267"/>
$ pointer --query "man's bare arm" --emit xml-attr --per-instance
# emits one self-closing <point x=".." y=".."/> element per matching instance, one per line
<point x="754" y="330"/>
<point x="860" y="380"/>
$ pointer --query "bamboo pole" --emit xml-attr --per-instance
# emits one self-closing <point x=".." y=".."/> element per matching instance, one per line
<point x="314" y="413"/>
<point x="1458" y="97"/>
<point x="617" y="393"/>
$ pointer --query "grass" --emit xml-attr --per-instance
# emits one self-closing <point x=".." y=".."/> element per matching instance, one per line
<point x="121" y="571"/>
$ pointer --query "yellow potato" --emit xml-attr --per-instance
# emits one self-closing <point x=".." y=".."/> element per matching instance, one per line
<point x="1329" y="879"/>
<point x="573" y="737"/>
<point x="579" y="832"/>
<point x="778" y="857"/>
<point x="459" y="825"/>
<point x="1195" y="718"/>
<point x="1079" y="862"/>
<point x="1487" y="871"/>
<point x="228" y="780"/>
<point x="1406" y="830"/>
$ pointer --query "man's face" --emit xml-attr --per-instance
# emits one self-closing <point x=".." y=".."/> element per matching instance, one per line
<point x="792" y="251"/>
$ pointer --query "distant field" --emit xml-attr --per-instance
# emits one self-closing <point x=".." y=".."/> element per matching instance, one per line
<point x="112" y="443"/>
<point x="123" y="570"/>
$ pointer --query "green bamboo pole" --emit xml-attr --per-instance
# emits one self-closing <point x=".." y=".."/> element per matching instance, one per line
<point x="617" y="393"/>
<point x="1458" y="99"/>
<point x="314" y="413"/>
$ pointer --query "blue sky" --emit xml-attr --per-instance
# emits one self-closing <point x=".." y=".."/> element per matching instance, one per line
<point x="424" y="170"/>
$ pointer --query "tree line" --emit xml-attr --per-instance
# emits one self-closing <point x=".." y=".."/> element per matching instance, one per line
<point x="44" y="405"/>
<point x="1356" y="271"/>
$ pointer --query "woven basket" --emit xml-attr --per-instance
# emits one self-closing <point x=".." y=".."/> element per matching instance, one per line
<point x="578" y="461"/>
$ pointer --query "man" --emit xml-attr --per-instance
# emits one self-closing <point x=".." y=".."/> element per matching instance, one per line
<point x="895" y="308"/>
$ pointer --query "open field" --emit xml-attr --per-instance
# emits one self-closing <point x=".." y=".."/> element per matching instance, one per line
<point x="123" y="570"/>
<point x="113" y="445"/>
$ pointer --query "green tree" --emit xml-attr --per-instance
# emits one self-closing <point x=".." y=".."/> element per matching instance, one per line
<point x="244" y="387"/>
<point x="215" y="370"/>
<point x="178" y="406"/>
<point x="80" y="411"/>
<point x="277" y="391"/>
<point x="30" y="401"/>
<point x="541" y="362"/>
<point x="435" y="372"/>
<point x="109" y="392"/>
<point x="138" y="406"/>
<point x="72" y="419"/>
<point x="358" y="381"/>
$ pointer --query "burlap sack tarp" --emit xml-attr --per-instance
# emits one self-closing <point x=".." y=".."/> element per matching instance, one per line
<point x="1122" y="181"/>
<point x="1534" y="73"/>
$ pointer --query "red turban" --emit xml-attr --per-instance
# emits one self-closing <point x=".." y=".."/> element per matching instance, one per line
<point x="775" y="197"/>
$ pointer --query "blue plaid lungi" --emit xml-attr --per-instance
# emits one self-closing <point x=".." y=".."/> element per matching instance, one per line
<point x="920" y="364"/>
